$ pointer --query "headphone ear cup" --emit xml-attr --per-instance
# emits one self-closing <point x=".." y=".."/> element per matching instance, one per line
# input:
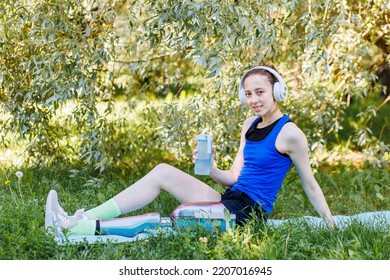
<point x="277" y="90"/>
<point x="241" y="95"/>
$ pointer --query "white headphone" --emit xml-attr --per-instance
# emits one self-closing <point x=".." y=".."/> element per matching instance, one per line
<point x="280" y="90"/>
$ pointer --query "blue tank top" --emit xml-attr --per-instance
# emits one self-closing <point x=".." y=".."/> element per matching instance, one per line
<point x="264" y="168"/>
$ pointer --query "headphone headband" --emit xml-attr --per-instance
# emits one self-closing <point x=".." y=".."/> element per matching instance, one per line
<point x="280" y="90"/>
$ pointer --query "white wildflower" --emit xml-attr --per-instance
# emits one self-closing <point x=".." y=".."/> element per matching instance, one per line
<point x="203" y="239"/>
<point x="19" y="174"/>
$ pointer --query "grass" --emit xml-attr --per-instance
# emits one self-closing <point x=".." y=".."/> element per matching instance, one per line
<point x="349" y="191"/>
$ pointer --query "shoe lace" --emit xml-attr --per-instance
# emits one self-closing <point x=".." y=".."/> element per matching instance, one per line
<point x="80" y="214"/>
<point x="64" y="220"/>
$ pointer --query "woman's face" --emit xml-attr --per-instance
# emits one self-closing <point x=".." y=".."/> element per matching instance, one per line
<point x="259" y="94"/>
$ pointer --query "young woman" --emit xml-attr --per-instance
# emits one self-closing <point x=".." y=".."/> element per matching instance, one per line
<point x="269" y="143"/>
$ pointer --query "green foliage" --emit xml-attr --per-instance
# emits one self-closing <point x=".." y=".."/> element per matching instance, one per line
<point x="323" y="47"/>
<point x="52" y="52"/>
<point x="55" y="53"/>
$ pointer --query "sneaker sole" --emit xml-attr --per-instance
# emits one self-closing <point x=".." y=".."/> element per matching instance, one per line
<point x="51" y="197"/>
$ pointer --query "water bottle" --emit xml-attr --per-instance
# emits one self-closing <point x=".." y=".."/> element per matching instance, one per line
<point x="204" y="147"/>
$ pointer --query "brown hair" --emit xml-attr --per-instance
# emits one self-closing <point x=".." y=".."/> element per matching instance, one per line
<point x="255" y="71"/>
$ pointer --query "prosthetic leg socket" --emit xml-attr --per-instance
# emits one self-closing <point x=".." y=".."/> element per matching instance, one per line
<point x="207" y="215"/>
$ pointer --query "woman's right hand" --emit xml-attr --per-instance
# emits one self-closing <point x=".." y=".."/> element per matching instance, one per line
<point x="194" y="155"/>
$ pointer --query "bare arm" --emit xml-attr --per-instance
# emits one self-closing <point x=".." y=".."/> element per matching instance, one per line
<point x="292" y="141"/>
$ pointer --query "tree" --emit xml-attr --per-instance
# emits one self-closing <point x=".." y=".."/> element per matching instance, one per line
<point x="53" y="52"/>
<point x="56" y="52"/>
<point x="328" y="51"/>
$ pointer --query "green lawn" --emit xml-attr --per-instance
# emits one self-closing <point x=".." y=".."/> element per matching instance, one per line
<point x="349" y="191"/>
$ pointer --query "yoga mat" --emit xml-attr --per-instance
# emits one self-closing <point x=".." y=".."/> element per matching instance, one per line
<point x="379" y="220"/>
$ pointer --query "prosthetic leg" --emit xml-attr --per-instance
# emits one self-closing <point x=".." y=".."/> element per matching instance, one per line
<point x="129" y="226"/>
<point x="207" y="215"/>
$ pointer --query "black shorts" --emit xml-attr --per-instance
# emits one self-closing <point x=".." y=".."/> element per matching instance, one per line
<point x="240" y="204"/>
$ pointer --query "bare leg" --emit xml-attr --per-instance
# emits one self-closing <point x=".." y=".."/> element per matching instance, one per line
<point x="181" y="185"/>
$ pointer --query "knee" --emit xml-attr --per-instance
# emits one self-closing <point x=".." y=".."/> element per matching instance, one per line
<point x="162" y="166"/>
<point x="163" y="174"/>
<point x="163" y="169"/>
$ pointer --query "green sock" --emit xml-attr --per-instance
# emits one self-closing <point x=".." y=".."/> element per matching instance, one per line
<point x="83" y="227"/>
<point x="105" y="211"/>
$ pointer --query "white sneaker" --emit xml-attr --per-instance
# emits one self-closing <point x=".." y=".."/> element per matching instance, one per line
<point x="56" y="219"/>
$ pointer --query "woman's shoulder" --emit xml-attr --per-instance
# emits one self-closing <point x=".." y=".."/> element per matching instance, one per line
<point x="248" y="122"/>
<point x="292" y="133"/>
